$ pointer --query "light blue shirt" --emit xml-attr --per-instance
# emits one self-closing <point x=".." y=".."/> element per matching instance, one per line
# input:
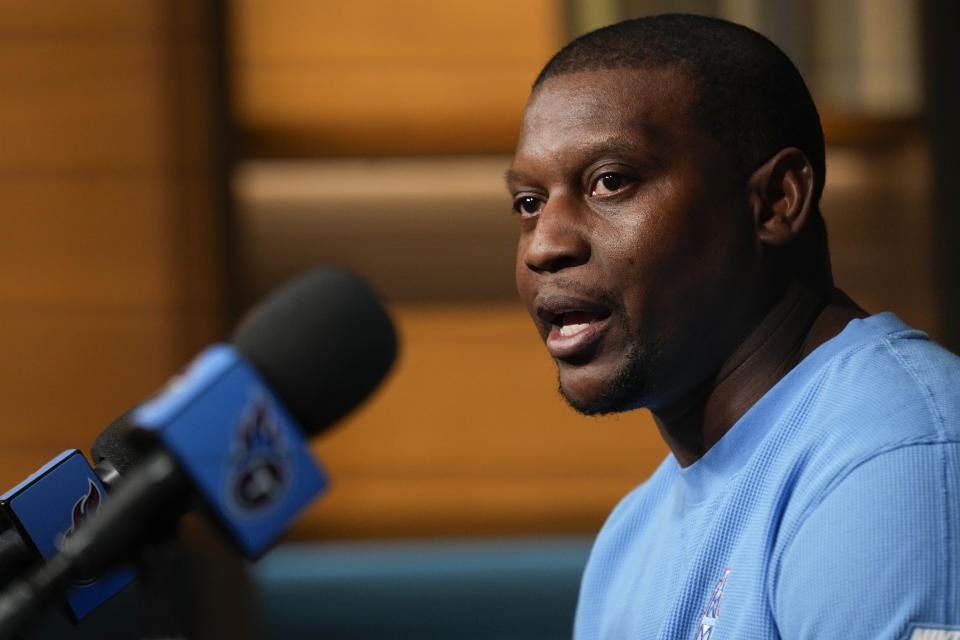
<point x="831" y="509"/>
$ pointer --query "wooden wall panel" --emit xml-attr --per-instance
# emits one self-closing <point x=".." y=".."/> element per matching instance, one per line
<point x="68" y="372"/>
<point x="469" y="436"/>
<point x="35" y="19"/>
<point x="377" y="31"/>
<point x="83" y="104"/>
<point x="86" y="240"/>
<point x="110" y="246"/>
<point x="877" y="208"/>
<point x="382" y="77"/>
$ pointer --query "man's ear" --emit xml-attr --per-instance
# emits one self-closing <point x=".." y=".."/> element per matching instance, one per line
<point x="781" y="192"/>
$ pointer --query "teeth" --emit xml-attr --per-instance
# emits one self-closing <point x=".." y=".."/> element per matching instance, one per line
<point x="570" y="329"/>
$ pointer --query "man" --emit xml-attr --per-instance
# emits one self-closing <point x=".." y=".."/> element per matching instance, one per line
<point x="672" y="255"/>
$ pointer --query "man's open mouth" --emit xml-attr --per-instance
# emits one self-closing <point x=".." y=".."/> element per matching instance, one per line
<point x="573" y="323"/>
<point x="573" y="326"/>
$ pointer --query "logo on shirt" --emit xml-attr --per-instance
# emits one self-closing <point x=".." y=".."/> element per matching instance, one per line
<point x="712" y="612"/>
<point x="934" y="633"/>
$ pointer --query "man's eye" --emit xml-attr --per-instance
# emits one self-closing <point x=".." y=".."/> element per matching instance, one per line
<point x="527" y="205"/>
<point x="608" y="183"/>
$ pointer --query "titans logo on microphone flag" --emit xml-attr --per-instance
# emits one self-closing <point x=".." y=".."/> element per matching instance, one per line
<point x="260" y="471"/>
<point x="240" y="447"/>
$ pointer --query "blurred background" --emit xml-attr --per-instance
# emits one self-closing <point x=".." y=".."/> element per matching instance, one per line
<point x="164" y="163"/>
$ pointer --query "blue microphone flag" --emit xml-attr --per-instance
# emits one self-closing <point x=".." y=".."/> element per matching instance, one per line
<point x="243" y="451"/>
<point x="48" y="506"/>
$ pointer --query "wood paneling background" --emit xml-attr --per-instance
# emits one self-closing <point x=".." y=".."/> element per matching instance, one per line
<point x="113" y="257"/>
<point x="468" y="436"/>
<point x="111" y="262"/>
<point x="386" y="77"/>
<point x="114" y="244"/>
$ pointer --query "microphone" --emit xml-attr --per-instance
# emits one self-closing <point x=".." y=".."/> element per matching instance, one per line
<point x="226" y="431"/>
<point x="112" y="453"/>
<point x="44" y="510"/>
<point x="52" y="502"/>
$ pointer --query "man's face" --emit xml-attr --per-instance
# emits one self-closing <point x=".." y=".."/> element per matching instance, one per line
<point x="637" y="257"/>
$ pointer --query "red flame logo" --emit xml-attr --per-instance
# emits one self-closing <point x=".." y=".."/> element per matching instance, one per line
<point x="84" y="507"/>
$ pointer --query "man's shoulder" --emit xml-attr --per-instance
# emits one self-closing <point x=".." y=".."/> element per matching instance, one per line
<point x="876" y="383"/>
<point x="895" y="382"/>
<point x="885" y="404"/>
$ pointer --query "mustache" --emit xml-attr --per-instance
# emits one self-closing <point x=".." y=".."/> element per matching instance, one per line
<point x="602" y="296"/>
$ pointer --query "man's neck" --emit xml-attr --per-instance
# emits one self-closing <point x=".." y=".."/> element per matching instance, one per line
<point x="797" y="324"/>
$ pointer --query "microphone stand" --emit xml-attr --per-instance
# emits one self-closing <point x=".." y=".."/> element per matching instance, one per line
<point x="166" y="610"/>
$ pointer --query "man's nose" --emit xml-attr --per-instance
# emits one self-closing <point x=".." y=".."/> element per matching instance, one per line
<point x="559" y="240"/>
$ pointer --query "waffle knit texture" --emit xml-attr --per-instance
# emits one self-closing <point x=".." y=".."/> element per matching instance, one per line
<point x="831" y="509"/>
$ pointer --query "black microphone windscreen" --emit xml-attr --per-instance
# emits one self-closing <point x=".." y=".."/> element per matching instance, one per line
<point x="322" y="342"/>
<point x="114" y="446"/>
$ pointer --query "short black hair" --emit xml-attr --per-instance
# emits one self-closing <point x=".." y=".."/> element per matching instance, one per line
<point x="749" y="96"/>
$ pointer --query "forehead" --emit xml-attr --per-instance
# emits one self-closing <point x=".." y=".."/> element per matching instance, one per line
<point x="620" y="106"/>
